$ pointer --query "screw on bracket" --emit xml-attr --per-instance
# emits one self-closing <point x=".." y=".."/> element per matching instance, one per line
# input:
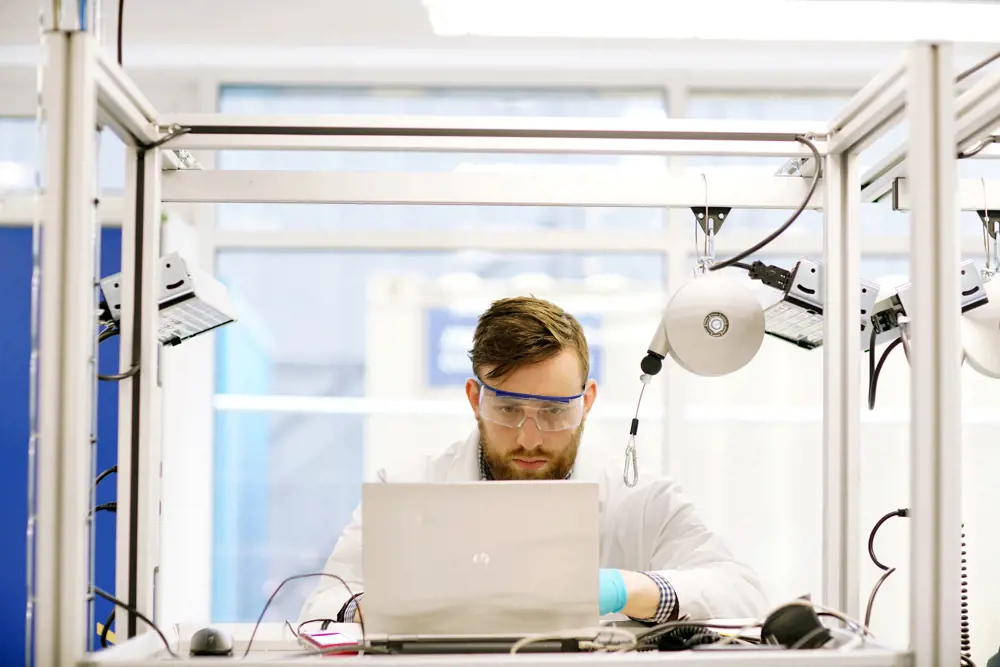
<point x="990" y="220"/>
<point x="717" y="214"/>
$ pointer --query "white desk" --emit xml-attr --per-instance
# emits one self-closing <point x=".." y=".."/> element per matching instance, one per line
<point x="275" y="644"/>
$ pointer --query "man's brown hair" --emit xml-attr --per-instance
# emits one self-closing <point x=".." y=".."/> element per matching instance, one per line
<point x="524" y="330"/>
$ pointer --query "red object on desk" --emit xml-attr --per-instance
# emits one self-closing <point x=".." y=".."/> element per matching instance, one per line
<point x="320" y="641"/>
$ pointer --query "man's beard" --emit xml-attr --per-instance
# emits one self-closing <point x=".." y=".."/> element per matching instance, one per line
<point x="502" y="467"/>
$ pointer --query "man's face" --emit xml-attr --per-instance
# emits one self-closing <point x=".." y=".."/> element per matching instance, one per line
<point x="528" y="452"/>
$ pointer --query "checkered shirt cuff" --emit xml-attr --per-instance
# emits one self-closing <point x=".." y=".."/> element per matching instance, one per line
<point x="351" y="609"/>
<point x="667" y="609"/>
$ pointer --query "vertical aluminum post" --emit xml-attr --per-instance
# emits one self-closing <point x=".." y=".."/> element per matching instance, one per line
<point x="68" y="325"/>
<point x="841" y="410"/>
<point x="64" y="15"/>
<point x="139" y="426"/>
<point x="935" y="415"/>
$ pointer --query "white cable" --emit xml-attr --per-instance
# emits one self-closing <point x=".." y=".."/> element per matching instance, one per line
<point x="584" y="633"/>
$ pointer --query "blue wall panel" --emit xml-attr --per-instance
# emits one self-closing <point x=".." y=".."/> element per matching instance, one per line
<point x="15" y="301"/>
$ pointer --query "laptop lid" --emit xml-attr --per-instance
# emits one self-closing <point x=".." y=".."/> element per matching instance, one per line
<point x="480" y="559"/>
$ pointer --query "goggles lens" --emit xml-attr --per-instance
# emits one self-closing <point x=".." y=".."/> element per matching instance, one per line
<point x="550" y="413"/>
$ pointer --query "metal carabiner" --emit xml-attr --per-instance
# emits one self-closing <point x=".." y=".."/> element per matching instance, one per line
<point x="631" y="473"/>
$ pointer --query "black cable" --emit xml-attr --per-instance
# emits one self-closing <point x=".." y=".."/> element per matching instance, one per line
<point x="324" y="621"/>
<point x="280" y="586"/>
<point x="871" y="596"/>
<point x="106" y="507"/>
<point x="871" y="369"/>
<point x="975" y="68"/>
<point x="110" y="471"/>
<point x="121" y="12"/>
<point x="107" y="628"/>
<point x="142" y="617"/>
<point x="904" y="512"/>
<point x="966" y="640"/>
<point x="795" y="215"/>
<point x="173" y="134"/>
<point x="656" y="631"/>
<point x="119" y="376"/>
<point x="875" y="370"/>
<point x="978" y="148"/>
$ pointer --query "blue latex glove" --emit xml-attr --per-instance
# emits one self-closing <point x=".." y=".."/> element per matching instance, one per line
<point x="611" y="591"/>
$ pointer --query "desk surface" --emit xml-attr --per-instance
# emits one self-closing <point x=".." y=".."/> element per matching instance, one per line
<point x="275" y="643"/>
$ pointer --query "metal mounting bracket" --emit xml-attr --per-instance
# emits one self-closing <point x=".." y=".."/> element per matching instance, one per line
<point x="717" y="214"/>
<point x="798" y="166"/>
<point x="990" y="220"/>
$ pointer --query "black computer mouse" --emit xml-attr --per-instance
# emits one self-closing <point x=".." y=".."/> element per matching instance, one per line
<point x="211" y="641"/>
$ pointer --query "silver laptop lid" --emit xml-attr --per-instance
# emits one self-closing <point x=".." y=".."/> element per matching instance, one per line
<point x="480" y="559"/>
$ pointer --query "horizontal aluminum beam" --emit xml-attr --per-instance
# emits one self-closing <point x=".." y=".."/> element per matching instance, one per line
<point x="977" y="114"/>
<point x="706" y="148"/>
<point x="503" y="128"/>
<point x="973" y="194"/>
<point x="872" y="111"/>
<point x="731" y="240"/>
<point x="18" y="210"/>
<point x="977" y="110"/>
<point x="876" y="183"/>
<point x="540" y="187"/>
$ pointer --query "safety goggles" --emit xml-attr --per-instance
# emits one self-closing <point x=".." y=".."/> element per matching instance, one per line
<point x="550" y="413"/>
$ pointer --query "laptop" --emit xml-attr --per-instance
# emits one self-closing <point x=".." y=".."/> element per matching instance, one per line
<point x="474" y="566"/>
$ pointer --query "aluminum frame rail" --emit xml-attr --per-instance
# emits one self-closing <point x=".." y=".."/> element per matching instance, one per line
<point x="977" y="115"/>
<point x="504" y="135"/>
<point x="67" y="322"/>
<point x="866" y="117"/>
<point x="872" y="111"/>
<point x="936" y="359"/>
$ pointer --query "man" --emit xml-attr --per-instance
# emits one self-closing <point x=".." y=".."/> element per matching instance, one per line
<point x="530" y="397"/>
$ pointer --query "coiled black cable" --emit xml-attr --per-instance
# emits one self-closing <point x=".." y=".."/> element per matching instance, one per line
<point x="966" y="634"/>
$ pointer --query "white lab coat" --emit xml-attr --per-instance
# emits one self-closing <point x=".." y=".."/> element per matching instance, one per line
<point x="650" y="527"/>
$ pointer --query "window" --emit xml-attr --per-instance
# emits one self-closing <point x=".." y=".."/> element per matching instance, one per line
<point x="343" y="362"/>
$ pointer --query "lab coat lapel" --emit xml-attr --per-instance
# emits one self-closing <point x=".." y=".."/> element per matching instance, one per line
<point x="465" y="463"/>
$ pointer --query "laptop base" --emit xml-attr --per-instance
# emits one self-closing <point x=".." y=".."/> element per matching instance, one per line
<point x="427" y="645"/>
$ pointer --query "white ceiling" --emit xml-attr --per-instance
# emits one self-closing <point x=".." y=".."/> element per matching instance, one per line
<point x="185" y="33"/>
<point x="287" y="22"/>
<point x="390" y="42"/>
